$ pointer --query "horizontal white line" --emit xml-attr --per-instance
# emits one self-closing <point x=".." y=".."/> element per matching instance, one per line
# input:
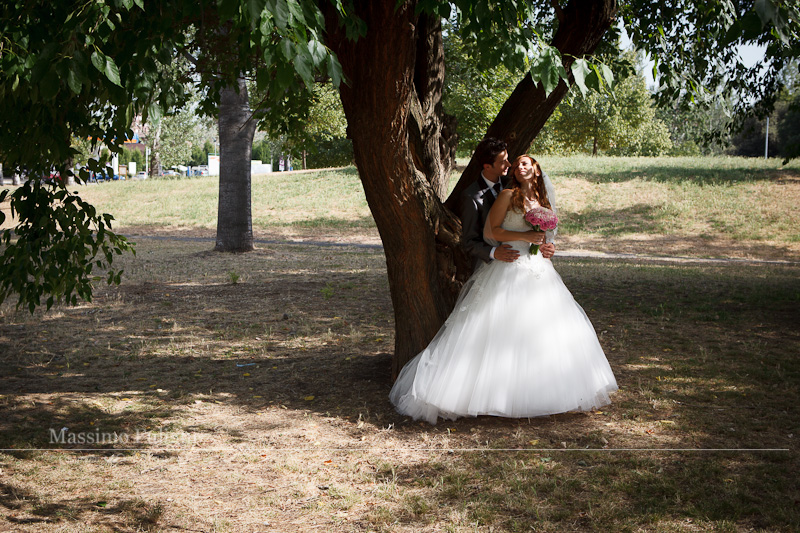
<point x="396" y="449"/>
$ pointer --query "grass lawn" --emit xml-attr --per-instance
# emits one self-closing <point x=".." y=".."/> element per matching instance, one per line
<point x="699" y="207"/>
<point x="249" y="392"/>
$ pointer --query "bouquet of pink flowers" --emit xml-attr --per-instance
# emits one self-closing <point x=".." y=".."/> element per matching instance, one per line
<point x="542" y="219"/>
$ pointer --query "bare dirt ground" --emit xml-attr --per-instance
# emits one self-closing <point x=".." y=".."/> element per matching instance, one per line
<point x="249" y="393"/>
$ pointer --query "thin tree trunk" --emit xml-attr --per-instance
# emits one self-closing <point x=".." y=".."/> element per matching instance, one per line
<point x="236" y="130"/>
<point x="155" y="153"/>
<point x="594" y="141"/>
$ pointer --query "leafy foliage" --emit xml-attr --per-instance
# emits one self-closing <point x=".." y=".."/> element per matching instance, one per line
<point x="695" y="46"/>
<point x="180" y="132"/>
<point x="53" y="257"/>
<point x="73" y="69"/>
<point x="65" y="72"/>
<point x="518" y="35"/>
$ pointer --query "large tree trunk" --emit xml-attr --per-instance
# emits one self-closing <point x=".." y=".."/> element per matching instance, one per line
<point x="404" y="147"/>
<point x="401" y="178"/>
<point x="236" y="130"/>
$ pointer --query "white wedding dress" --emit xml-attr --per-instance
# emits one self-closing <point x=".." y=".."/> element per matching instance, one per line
<point x="516" y="345"/>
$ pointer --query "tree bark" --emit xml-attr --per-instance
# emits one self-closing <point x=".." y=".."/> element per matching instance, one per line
<point x="418" y="235"/>
<point x="155" y="153"/>
<point x="404" y="148"/>
<point x="236" y="130"/>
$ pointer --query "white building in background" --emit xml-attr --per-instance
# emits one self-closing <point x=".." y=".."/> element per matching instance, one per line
<point x="256" y="166"/>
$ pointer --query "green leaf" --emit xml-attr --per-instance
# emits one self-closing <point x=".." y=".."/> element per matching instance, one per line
<point x="547" y="69"/>
<point x="297" y="12"/>
<point x="49" y="85"/>
<point x="608" y="76"/>
<point x="580" y="70"/>
<point x="255" y="7"/>
<point x="112" y="72"/>
<point x="73" y="82"/>
<point x="99" y="61"/>
<point x="303" y="66"/>
<point x="140" y="3"/>
<point x="334" y="70"/>
<point x="153" y="114"/>
<point x="266" y="27"/>
<point x="262" y="79"/>
<point x="280" y="11"/>
<point x="285" y="75"/>
<point x="317" y="51"/>
<point x="593" y="79"/>
<point x="766" y="11"/>
<point x="287" y="49"/>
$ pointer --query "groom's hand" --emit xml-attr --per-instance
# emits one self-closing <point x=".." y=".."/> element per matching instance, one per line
<point x="548" y="250"/>
<point x="506" y="253"/>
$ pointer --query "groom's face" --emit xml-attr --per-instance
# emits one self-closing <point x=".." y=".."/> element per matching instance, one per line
<point x="498" y="168"/>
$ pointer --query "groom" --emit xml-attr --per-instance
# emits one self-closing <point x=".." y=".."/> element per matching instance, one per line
<point x="477" y="200"/>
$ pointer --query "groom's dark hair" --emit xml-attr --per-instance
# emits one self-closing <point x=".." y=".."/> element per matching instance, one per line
<point x="487" y="150"/>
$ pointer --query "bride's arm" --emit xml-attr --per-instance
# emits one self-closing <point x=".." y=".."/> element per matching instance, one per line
<point x="495" y="220"/>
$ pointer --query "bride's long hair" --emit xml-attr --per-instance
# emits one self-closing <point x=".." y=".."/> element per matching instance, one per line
<point x="539" y="190"/>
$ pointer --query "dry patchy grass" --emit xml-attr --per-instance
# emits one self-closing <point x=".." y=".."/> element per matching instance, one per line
<point x="261" y="405"/>
<point x="700" y="207"/>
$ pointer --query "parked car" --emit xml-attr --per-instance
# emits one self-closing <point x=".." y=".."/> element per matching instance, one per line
<point x="140" y="176"/>
<point x="169" y="173"/>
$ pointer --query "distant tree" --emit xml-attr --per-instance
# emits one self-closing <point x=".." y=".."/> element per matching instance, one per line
<point x="180" y="132"/>
<point x="751" y="138"/>
<point x="266" y="147"/>
<point x="691" y="128"/>
<point x="620" y="121"/>
<point x="132" y="155"/>
<point x="318" y="131"/>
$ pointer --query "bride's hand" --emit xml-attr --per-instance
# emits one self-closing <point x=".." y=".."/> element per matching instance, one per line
<point x="534" y="237"/>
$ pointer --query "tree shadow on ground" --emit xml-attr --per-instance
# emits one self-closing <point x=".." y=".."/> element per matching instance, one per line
<point x="140" y="514"/>
<point x="697" y="351"/>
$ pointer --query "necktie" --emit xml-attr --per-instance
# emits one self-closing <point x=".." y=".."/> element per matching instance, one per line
<point x="496" y="189"/>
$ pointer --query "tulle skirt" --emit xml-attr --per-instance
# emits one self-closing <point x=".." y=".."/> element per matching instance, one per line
<point x="516" y="345"/>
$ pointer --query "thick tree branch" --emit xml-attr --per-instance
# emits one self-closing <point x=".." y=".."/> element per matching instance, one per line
<point x="559" y="11"/>
<point x="526" y="111"/>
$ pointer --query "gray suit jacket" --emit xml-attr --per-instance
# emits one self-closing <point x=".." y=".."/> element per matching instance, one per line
<point x="476" y="201"/>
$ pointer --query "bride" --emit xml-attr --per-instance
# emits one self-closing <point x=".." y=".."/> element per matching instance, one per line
<point x="517" y="344"/>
